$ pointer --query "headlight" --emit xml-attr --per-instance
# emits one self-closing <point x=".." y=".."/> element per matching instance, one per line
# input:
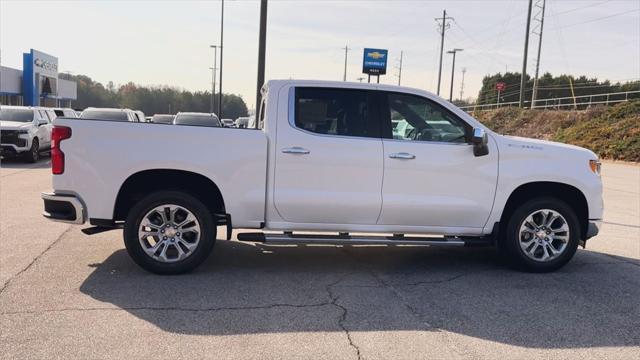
<point x="595" y="165"/>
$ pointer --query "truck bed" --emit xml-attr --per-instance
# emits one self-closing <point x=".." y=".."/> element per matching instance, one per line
<point x="101" y="155"/>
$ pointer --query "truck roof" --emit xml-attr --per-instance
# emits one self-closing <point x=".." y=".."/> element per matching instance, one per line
<point x="344" y="84"/>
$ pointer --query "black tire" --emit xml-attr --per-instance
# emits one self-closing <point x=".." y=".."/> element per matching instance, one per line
<point x="510" y="241"/>
<point x="33" y="155"/>
<point x="198" y="255"/>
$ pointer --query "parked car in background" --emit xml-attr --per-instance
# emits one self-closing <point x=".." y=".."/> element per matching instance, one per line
<point x="25" y="131"/>
<point x="162" y="119"/>
<point x="65" y="112"/>
<point x="197" y="119"/>
<point x="228" y="123"/>
<point x="252" y="122"/>
<point x="148" y="119"/>
<point x="325" y="160"/>
<point x="242" y="122"/>
<point x="140" y="115"/>
<point x="401" y="129"/>
<point x="109" y="114"/>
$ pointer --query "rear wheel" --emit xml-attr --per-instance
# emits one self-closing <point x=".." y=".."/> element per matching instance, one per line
<point x="542" y="235"/>
<point x="33" y="154"/>
<point x="169" y="232"/>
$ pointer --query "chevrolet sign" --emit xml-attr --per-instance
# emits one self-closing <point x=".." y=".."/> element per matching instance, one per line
<point x="375" y="62"/>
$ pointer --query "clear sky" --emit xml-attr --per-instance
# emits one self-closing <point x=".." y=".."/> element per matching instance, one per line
<point x="167" y="42"/>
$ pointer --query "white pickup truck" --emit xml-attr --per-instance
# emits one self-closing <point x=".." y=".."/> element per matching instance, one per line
<point x="324" y="159"/>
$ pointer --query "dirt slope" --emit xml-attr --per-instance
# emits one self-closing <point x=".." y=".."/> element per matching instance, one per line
<point x="611" y="132"/>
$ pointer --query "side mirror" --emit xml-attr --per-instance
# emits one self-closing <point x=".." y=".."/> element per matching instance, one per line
<point x="479" y="141"/>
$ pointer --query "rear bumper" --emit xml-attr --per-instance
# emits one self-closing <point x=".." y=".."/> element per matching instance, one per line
<point x="63" y="208"/>
<point x="593" y="229"/>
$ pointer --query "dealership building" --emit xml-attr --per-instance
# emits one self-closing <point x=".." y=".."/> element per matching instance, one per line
<point x="37" y="84"/>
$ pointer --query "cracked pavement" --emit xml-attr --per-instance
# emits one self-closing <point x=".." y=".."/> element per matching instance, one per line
<point x="67" y="295"/>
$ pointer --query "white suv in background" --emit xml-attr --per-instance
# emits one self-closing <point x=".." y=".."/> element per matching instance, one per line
<point x="110" y="114"/>
<point x="25" y="131"/>
<point x="65" y="112"/>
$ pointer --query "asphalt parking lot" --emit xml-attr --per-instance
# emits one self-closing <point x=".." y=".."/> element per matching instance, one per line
<point x="67" y="295"/>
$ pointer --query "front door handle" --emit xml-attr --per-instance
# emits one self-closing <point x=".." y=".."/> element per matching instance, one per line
<point x="402" y="155"/>
<point x="296" y="150"/>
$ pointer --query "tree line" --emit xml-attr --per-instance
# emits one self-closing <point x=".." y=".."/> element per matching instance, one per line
<point x="151" y="99"/>
<point x="549" y="87"/>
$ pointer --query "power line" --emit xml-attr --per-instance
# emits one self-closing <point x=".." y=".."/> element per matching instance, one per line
<point x="596" y="19"/>
<point x="579" y="8"/>
<point x="444" y="26"/>
<point x="541" y="27"/>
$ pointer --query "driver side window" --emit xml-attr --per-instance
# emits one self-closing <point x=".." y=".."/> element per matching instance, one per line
<point x="418" y="119"/>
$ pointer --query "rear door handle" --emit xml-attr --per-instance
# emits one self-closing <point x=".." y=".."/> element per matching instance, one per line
<point x="402" y="155"/>
<point x="296" y="150"/>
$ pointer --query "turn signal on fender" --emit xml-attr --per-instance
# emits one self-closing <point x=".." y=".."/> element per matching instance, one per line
<point x="595" y="166"/>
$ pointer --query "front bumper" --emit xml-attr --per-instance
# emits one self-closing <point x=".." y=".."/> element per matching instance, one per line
<point x="593" y="229"/>
<point x="63" y="208"/>
<point x="12" y="149"/>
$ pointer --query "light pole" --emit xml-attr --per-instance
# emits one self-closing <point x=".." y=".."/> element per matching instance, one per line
<point x="213" y="88"/>
<point x="221" y="48"/>
<point x="262" y="47"/>
<point x="453" y="71"/>
<point x="213" y="69"/>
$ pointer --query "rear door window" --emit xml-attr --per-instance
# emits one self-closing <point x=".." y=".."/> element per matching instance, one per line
<point x="335" y="111"/>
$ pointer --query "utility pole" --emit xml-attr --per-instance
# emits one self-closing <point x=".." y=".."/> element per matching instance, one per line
<point x="524" y="60"/>
<point x="443" y="27"/>
<point x="453" y="71"/>
<point x="400" y="69"/>
<point x="539" y="33"/>
<point x="213" y="87"/>
<point x="346" y="50"/>
<point x="262" y="46"/>
<point x="214" y="69"/>
<point x="221" y="48"/>
<point x="464" y="70"/>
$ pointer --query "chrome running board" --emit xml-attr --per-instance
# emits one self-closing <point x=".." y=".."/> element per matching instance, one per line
<point x="288" y="238"/>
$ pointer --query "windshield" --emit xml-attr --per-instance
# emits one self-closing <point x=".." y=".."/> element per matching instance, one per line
<point x="104" y="115"/>
<point x="162" y="119"/>
<point x="197" y="120"/>
<point x="19" y="115"/>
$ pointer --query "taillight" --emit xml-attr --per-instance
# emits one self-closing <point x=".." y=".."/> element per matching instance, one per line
<point x="58" y="134"/>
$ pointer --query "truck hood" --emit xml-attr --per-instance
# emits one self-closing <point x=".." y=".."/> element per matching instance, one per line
<point x="14" y="125"/>
<point x="515" y="143"/>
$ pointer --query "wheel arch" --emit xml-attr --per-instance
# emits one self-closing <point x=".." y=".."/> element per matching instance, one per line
<point x="145" y="182"/>
<point x="567" y="193"/>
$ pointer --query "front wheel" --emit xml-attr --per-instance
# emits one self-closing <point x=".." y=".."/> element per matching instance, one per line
<point x="541" y="235"/>
<point x="33" y="155"/>
<point x="169" y="232"/>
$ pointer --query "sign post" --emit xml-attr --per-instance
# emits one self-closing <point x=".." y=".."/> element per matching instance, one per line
<point x="374" y="62"/>
<point x="500" y="86"/>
